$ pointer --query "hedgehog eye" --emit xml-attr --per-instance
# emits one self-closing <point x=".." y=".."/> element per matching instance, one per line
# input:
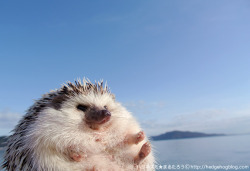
<point x="105" y="107"/>
<point x="82" y="107"/>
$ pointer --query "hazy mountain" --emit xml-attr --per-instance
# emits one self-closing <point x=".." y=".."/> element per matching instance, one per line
<point x="3" y="141"/>
<point x="182" y="134"/>
<point x="167" y="136"/>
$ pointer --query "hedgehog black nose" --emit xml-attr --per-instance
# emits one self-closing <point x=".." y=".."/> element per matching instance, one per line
<point x="105" y="113"/>
<point x="97" y="116"/>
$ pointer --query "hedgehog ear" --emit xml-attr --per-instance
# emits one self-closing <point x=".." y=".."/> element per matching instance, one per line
<point x="57" y="101"/>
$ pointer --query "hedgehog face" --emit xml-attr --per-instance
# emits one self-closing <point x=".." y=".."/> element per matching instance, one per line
<point x="93" y="109"/>
<point x="79" y="108"/>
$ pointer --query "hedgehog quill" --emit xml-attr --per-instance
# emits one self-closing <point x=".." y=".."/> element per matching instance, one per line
<point x="78" y="127"/>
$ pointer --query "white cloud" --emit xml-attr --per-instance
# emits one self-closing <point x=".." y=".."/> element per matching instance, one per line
<point x="154" y="119"/>
<point x="207" y="120"/>
<point x="142" y="108"/>
<point x="217" y="120"/>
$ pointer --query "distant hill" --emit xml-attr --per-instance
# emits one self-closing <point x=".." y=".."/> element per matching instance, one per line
<point x="167" y="136"/>
<point x="182" y="134"/>
<point x="3" y="141"/>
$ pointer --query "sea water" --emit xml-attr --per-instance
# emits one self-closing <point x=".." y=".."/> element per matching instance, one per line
<point x="211" y="153"/>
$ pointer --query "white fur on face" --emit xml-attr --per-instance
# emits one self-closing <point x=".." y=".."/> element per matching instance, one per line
<point x="66" y="125"/>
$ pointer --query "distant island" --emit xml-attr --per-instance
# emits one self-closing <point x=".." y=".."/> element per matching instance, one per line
<point x="3" y="141"/>
<point x="182" y="134"/>
<point x="167" y="136"/>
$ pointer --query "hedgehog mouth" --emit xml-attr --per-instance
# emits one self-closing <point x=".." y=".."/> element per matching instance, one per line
<point x="98" y="125"/>
<point x="98" y="122"/>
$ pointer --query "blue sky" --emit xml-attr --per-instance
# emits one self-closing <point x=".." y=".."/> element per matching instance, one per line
<point x="175" y="64"/>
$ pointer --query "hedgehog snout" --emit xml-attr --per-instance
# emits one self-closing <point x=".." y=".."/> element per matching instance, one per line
<point x="97" y="116"/>
<point x="105" y="113"/>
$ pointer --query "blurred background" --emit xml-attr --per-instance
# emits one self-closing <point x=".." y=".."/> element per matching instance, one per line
<point x="176" y="65"/>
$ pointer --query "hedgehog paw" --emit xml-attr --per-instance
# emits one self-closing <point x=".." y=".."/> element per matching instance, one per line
<point x="134" y="138"/>
<point x="139" y="137"/>
<point x="75" y="155"/>
<point x="143" y="153"/>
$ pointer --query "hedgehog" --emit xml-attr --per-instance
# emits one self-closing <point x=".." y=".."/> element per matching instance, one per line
<point x="78" y="127"/>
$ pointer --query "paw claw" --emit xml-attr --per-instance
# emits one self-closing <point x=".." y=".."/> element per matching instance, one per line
<point x="140" y="137"/>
